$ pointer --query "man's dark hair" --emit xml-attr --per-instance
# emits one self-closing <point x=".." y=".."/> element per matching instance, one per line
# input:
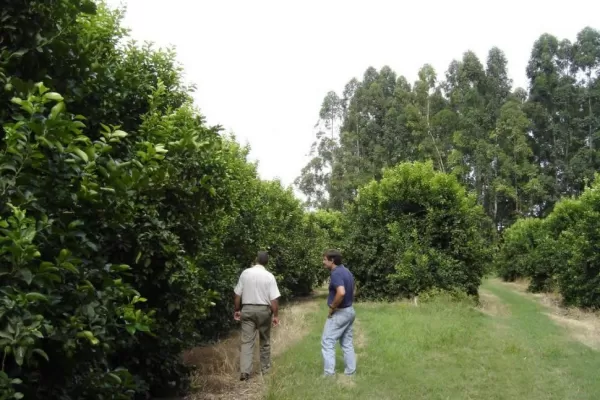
<point x="333" y="255"/>
<point x="262" y="258"/>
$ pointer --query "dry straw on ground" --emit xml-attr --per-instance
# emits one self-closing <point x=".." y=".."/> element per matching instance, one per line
<point x="217" y="374"/>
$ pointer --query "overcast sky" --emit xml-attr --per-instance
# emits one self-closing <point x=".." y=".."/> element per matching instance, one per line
<point x="262" y="67"/>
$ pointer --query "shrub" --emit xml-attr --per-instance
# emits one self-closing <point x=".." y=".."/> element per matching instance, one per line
<point x="519" y="243"/>
<point x="579" y="276"/>
<point x="558" y="252"/>
<point x="415" y="230"/>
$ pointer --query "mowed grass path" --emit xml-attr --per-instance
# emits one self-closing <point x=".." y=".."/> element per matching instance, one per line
<point x="443" y="350"/>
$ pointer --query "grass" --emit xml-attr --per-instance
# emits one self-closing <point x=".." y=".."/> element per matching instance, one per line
<point x="442" y="350"/>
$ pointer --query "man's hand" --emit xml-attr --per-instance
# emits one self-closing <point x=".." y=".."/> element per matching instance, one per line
<point x="331" y="311"/>
<point x="275" y="321"/>
<point x="237" y="315"/>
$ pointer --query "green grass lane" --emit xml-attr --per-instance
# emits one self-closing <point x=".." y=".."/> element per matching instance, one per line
<point x="444" y="350"/>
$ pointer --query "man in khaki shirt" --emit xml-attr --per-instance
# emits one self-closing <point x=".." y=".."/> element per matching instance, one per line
<point x="256" y="295"/>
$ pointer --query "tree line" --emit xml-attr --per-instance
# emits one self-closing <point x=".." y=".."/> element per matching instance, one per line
<point x="125" y="219"/>
<point x="519" y="150"/>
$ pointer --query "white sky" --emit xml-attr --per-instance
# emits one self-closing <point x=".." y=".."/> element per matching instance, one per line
<point x="262" y="67"/>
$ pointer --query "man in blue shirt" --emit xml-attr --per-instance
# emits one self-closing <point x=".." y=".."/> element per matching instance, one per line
<point x="340" y="322"/>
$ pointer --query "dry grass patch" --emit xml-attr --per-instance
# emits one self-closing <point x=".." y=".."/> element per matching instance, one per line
<point x="360" y="340"/>
<point x="217" y="375"/>
<point x="585" y="330"/>
<point x="583" y="326"/>
<point x="491" y="304"/>
<point x="521" y="284"/>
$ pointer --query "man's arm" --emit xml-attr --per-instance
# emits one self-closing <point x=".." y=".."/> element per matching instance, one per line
<point x="275" y="308"/>
<point x="274" y="295"/>
<point x="340" y="292"/>
<point x="237" y="301"/>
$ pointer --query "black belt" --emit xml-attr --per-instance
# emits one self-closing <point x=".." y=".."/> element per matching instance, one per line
<point x="261" y="305"/>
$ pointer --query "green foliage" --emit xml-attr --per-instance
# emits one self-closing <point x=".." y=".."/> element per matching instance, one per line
<point x="415" y="230"/>
<point x="443" y="297"/>
<point x="64" y="300"/>
<point x="578" y="277"/>
<point x="559" y="251"/>
<point x="124" y="220"/>
<point x="517" y="250"/>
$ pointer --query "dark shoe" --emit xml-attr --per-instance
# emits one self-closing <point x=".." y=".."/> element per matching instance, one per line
<point x="244" y="377"/>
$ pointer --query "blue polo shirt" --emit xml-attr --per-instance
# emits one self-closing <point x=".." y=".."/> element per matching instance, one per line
<point x="341" y="276"/>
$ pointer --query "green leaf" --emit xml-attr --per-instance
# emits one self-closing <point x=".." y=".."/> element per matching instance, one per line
<point x="56" y="110"/>
<point x="19" y="53"/>
<point x="114" y="377"/>
<point x="7" y="335"/>
<point x="69" y="267"/>
<point x="18" y="395"/>
<point x="41" y="87"/>
<point x="53" y="96"/>
<point x="81" y="154"/>
<point x="142" y="327"/>
<point x="16" y="100"/>
<point x="89" y="336"/>
<point x="119" y="134"/>
<point x="27" y="275"/>
<point x="45" y="141"/>
<point x="120" y="267"/>
<point x="75" y="223"/>
<point x="34" y="296"/>
<point x="130" y="329"/>
<point x="9" y="167"/>
<point x="47" y="266"/>
<point x="41" y="353"/>
<point x="19" y="355"/>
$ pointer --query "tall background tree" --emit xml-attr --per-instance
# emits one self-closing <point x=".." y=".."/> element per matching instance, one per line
<point x="519" y="151"/>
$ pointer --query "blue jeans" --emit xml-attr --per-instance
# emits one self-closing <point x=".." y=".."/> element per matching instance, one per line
<point x="339" y="327"/>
